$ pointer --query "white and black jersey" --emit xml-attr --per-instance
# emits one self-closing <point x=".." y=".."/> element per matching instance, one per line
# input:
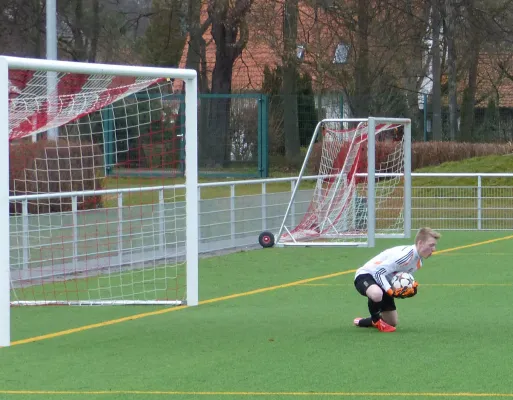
<point x="390" y="261"/>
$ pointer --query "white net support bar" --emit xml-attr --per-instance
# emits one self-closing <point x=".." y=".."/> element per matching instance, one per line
<point x="98" y="303"/>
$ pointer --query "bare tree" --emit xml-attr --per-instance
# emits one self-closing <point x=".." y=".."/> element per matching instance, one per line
<point x="22" y="28"/>
<point x="290" y="112"/>
<point x="449" y="33"/>
<point x="164" y="39"/>
<point x="415" y="59"/>
<point x="436" y="101"/>
<point x="469" y="93"/>
<point x="230" y="33"/>
<point x="361" y="104"/>
<point x="196" y="53"/>
<point x="197" y="60"/>
<point x="79" y="29"/>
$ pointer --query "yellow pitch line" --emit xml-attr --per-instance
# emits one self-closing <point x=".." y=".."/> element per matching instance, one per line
<point x="423" y="284"/>
<point x="478" y="254"/>
<point x="167" y="310"/>
<point x="217" y="299"/>
<point x="316" y="394"/>
<point x="473" y="245"/>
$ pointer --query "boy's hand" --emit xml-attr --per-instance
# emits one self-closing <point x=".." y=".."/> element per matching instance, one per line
<point x="396" y="292"/>
<point x="410" y="292"/>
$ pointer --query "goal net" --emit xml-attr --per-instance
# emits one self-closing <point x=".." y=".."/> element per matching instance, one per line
<point x="360" y="189"/>
<point x="82" y="230"/>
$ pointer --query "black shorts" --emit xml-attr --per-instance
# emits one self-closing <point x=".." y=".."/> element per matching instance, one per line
<point x="362" y="283"/>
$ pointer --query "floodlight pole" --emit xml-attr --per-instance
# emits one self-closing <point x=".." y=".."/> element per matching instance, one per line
<point x="51" y="54"/>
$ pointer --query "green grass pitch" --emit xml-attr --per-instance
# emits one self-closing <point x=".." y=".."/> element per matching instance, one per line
<point x="277" y="324"/>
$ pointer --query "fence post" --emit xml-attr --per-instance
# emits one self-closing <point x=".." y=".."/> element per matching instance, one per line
<point x="424" y="99"/>
<point x="263" y="136"/>
<point x="293" y="205"/>
<point x="74" y="212"/>
<point x="181" y="135"/>
<point x="108" y="138"/>
<point x="25" y="233"/>
<point x="232" y="214"/>
<point x="479" y="203"/>
<point x="162" y="221"/>
<point x="120" y="228"/>
<point x="263" y="206"/>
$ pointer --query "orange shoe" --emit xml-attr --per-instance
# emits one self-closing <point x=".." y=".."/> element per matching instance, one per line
<point x="383" y="326"/>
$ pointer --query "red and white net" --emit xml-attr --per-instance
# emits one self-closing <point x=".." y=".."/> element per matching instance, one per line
<point x="36" y="105"/>
<point x="90" y="232"/>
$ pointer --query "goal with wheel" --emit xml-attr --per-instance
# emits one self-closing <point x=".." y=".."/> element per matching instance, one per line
<point x="102" y="206"/>
<point x="361" y="189"/>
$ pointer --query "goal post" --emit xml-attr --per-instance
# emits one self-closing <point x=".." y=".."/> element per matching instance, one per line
<point x="74" y="234"/>
<point x="362" y="186"/>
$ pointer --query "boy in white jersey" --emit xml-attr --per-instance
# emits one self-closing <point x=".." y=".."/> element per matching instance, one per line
<point x="373" y="279"/>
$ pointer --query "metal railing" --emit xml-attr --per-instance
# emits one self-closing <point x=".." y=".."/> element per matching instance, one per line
<point x="125" y="233"/>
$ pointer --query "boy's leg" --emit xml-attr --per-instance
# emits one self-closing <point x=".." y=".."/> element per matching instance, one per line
<point x="375" y="312"/>
<point x="367" y="286"/>
<point x="363" y="322"/>
<point x="388" y="314"/>
<point x="375" y="309"/>
<point x="389" y="311"/>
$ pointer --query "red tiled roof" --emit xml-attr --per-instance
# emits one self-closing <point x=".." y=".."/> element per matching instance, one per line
<point x="316" y="33"/>
<point x="495" y="74"/>
<point x="265" y="45"/>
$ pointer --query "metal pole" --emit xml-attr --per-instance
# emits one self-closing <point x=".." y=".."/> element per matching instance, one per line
<point x="425" y="117"/>
<point x="479" y="203"/>
<point x="371" y="184"/>
<point x="191" y="189"/>
<point x="5" y="273"/>
<point x="407" y="180"/>
<point x="51" y="54"/>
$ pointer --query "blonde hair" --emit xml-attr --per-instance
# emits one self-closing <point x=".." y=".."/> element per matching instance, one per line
<point x="424" y="233"/>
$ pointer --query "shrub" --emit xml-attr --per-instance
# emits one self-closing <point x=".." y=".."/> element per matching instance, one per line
<point x="48" y="166"/>
<point x="424" y="154"/>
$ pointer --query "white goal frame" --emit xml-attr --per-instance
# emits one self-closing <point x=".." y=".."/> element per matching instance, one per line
<point x="189" y="78"/>
<point x="371" y="174"/>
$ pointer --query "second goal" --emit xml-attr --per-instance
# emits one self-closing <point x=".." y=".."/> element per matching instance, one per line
<point x="359" y="186"/>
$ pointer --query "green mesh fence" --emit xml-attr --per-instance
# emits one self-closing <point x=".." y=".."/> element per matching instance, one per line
<point x="243" y="135"/>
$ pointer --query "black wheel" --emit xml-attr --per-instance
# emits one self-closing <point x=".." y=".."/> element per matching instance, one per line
<point x="266" y="239"/>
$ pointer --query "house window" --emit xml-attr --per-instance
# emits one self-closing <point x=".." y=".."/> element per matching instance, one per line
<point x="341" y="53"/>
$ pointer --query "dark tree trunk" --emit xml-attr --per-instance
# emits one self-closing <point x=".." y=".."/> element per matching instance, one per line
<point x="230" y="33"/>
<point x="362" y="91"/>
<point x="469" y="97"/>
<point x="451" y="68"/>
<point x="437" y="94"/>
<point x="95" y="31"/>
<point x="219" y="122"/>
<point x="289" y="90"/>
<point x="196" y="60"/>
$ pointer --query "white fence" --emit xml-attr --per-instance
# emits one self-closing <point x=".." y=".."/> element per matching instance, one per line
<point x="133" y="234"/>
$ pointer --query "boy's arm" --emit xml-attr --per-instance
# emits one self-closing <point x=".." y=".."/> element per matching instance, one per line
<point x="388" y="266"/>
<point x="382" y="270"/>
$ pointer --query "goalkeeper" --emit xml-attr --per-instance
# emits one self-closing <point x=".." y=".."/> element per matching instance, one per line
<point x="373" y="279"/>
